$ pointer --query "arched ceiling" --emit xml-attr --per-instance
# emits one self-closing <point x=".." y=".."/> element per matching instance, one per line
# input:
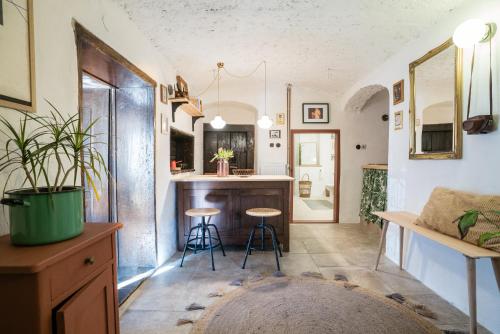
<point x="328" y="44"/>
<point x="358" y="101"/>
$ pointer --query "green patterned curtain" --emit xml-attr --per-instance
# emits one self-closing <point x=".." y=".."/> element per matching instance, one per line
<point x="373" y="195"/>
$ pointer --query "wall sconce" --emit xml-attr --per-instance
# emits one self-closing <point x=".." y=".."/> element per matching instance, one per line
<point x="473" y="31"/>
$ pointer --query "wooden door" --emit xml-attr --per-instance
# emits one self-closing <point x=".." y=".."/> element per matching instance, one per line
<point x="91" y="309"/>
<point x="239" y="138"/>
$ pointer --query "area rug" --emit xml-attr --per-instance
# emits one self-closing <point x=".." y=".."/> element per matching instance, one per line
<point x="307" y="306"/>
<point x="318" y="204"/>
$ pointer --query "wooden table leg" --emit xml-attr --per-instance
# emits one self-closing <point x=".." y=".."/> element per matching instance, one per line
<point x="382" y="241"/>
<point x="471" y="285"/>
<point x="495" y="262"/>
<point x="401" y="243"/>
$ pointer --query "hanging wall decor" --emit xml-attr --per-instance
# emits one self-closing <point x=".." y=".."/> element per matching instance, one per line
<point x="315" y="113"/>
<point x="398" y="94"/>
<point x="280" y="118"/>
<point x="17" y="71"/>
<point x="398" y="120"/>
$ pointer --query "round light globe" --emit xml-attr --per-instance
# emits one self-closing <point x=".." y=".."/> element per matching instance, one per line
<point x="469" y="33"/>
<point x="264" y="122"/>
<point x="218" y="122"/>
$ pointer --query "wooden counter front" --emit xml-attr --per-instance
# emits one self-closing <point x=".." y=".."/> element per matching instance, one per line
<point x="233" y="196"/>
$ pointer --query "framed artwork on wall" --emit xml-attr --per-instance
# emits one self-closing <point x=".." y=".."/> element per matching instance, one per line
<point x="398" y="120"/>
<point x="398" y="92"/>
<point x="163" y="94"/>
<point x="17" y="68"/>
<point x="163" y="123"/>
<point x="275" y="134"/>
<point x="315" y="113"/>
<point x="280" y="118"/>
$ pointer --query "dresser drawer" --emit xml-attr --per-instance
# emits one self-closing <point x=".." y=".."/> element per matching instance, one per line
<point x="70" y="272"/>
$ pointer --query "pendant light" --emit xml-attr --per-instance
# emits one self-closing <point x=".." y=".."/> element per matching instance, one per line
<point x="218" y="122"/>
<point x="472" y="32"/>
<point x="265" y="122"/>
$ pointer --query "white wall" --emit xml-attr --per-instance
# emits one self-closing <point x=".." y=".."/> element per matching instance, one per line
<point x="411" y="181"/>
<point x="57" y="81"/>
<point x="365" y="127"/>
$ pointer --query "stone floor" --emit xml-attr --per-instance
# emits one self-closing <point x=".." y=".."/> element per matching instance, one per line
<point x="348" y="249"/>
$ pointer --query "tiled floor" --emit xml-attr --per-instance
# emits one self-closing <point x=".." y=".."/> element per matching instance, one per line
<point x="348" y="249"/>
<point x="302" y="212"/>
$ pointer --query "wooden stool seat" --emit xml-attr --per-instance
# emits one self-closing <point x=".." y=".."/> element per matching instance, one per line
<point x="202" y="212"/>
<point x="263" y="212"/>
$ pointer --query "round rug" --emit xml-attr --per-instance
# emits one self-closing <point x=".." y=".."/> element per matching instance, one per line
<point x="308" y="306"/>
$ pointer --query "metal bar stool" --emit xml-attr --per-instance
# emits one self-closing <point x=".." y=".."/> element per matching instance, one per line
<point x="263" y="213"/>
<point x="200" y="242"/>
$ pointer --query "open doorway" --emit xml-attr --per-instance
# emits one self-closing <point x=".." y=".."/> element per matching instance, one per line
<point x="120" y="98"/>
<point x="315" y="162"/>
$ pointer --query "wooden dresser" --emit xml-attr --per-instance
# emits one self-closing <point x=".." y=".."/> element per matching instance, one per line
<point x="66" y="287"/>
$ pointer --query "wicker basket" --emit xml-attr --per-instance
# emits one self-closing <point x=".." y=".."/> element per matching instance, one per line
<point x="305" y="186"/>
<point x="243" y="172"/>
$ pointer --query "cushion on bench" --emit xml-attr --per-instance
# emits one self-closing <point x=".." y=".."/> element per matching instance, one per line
<point x="445" y="206"/>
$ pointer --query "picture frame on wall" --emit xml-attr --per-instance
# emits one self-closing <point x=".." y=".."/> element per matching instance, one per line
<point x="398" y="120"/>
<point x="163" y="123"/>
<point x="163" y="94"/>
<point x="17" y="69"/>
<point x="398" y="92"/>
<point x="275" y="134"/>
<point x="315" y="113"/>
<point x="280" y="118"/>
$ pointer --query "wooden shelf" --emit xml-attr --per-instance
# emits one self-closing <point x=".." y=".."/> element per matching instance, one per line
<point x="375" y="166"/>
<point x="188" y="107"/>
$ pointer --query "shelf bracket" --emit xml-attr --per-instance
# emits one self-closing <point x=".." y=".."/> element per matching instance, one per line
<point x="175" y="105"/>
<point x="194" y="119"/>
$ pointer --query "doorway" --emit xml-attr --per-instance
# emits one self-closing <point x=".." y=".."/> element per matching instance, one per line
<point x="120" y="99"/>
<point x="315" y="167"/>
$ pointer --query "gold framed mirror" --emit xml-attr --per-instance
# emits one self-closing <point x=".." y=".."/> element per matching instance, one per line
<point x="436" y="104"/>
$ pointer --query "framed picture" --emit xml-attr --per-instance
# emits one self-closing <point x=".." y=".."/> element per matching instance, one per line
<point x="280" y="118"/>
<point x="398" y="120"/>
<point x="163" y="123"/>
<point x="398" y="92"/>
<point x="163" y="94"/>
<point x="315" y="113"/>
<point x="181" y="87"/>
<point x="17" y="68"/>
<point x="275" y="134"/>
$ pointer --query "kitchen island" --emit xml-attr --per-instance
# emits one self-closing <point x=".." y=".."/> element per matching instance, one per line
<point x="233" y="195"/>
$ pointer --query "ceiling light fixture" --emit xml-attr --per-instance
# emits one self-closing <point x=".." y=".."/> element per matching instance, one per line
<point x="218" y="122"/>
<point x="265" y="122"/>
<point x="471" y="32"/>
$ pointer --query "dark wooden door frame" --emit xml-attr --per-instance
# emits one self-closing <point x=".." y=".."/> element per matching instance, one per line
<point x="336" y="179"/>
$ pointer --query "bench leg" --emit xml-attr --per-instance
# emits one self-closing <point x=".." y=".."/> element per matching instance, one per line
<point x="471" y="284"/>
<point x="495" y="262"/>
<point x="401" y="241"/>
<point x="382" y="242"/>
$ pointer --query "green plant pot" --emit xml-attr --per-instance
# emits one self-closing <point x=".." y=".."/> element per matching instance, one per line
<point x="44" y="218"/>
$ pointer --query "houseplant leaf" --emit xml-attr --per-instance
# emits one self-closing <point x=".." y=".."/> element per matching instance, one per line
<point x="466" y="221"/>
<point x="487" y="236"/>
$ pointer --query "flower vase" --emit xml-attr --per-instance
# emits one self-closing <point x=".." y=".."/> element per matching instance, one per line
<point x="222" y="167"/>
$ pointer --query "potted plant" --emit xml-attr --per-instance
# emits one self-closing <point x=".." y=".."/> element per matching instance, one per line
<point x="222" y="156"/>
<point x="49" y="153"/>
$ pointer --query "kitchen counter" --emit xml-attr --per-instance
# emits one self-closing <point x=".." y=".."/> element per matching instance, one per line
<point x="233" y="195"/>
<point x="215" y="178"/>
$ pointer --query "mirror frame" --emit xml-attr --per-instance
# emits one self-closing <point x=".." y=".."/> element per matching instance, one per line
<point x="456" y="153"/>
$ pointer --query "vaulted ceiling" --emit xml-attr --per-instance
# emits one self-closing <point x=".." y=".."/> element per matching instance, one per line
<point x="325" y="44"/>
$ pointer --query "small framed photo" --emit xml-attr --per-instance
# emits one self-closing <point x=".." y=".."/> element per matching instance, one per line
<point x="163" y="94"/>
<point x="398" y="92"/>
<point x="315" y="113"/>
<point x="275" y="134"/>
<point x="398" y="120"/>
<point x="280" y="118"/>
<point x="163" y="123"/>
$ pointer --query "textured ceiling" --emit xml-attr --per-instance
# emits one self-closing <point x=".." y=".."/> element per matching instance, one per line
<point x="325" y="44"/>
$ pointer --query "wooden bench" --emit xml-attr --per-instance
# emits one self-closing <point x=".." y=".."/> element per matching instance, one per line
<point x="406" y="220"/>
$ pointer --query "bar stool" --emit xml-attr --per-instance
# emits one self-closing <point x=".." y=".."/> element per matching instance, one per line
<point x="263" y="213"/>
<point x="203" y="227"/>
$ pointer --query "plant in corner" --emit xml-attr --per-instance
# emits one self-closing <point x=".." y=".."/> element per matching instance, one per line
<point x="222" y="156"/>
<point x="48" y="153"/>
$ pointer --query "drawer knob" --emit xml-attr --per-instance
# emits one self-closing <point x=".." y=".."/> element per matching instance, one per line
<point x="89" y="260"/>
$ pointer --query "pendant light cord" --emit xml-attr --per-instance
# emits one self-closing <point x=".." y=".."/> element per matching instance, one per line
<point x="265" y="88"/>
<point x="218" y="91"/>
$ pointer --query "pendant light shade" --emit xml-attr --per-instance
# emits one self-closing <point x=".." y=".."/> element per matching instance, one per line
<point x="264" y="122"/>
<point x="471" y="32"/>
<point x="218" y="122"/>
